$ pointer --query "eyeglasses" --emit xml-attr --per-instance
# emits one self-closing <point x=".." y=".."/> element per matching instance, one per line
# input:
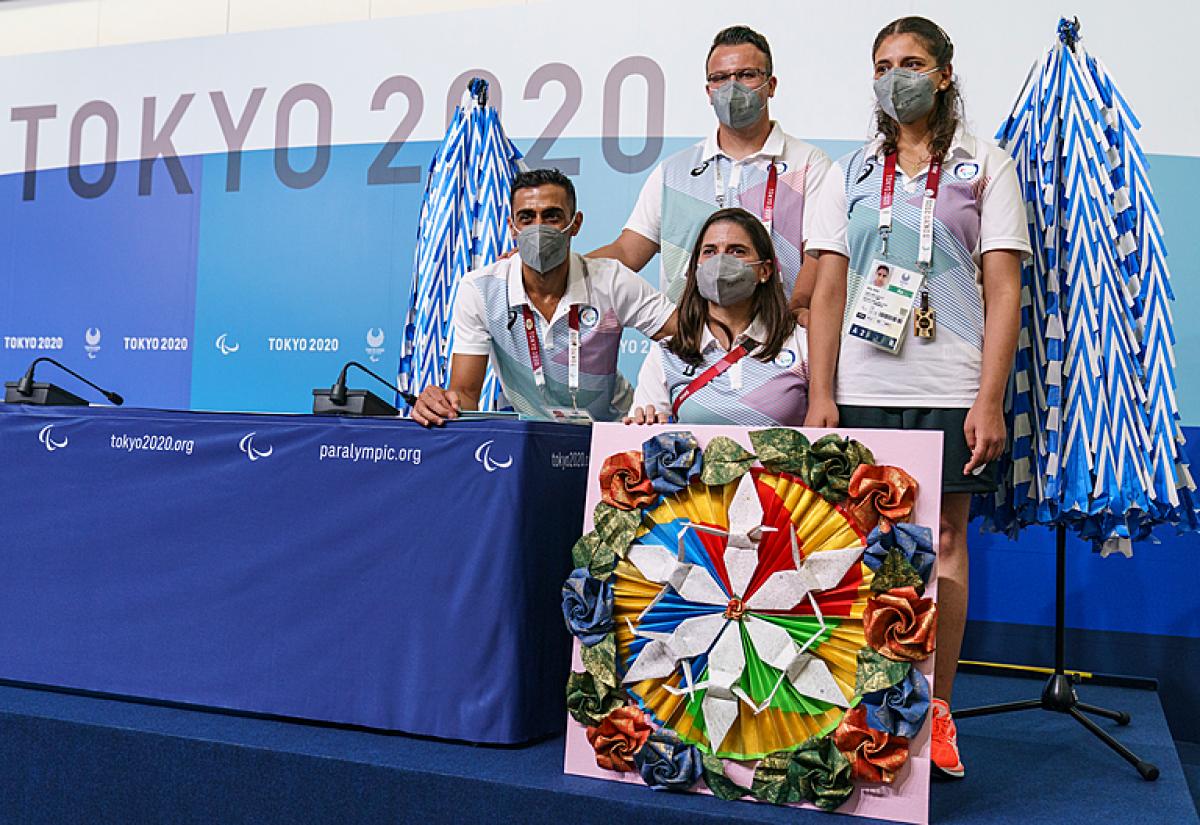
<point x="747" y="77"/>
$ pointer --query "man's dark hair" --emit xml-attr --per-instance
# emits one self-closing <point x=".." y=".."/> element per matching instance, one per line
<point x="738" y="36"/>
<point x="542" y="177"/>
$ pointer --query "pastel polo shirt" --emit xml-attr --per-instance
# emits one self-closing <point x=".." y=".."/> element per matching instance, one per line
<point x="488" y="320"/>
<point x="750" y="393"/>
<point x="683" y="191"/>
<point x="978" y="209"/>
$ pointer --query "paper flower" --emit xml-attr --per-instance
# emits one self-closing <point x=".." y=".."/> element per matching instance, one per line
<point x="587" y="605"/>
<point x="879" y="490"/>
<point x="589" y="701"/>
<point x="667" y="764"/>
<point x="874" y="756"/>
<point x="901" y="708"/>
<point x="618" y="737"/>
<point x="901" y="625"/>
<point x="820" y="773"/>
<point x="913" y="540"/>
<point x="672" y="461"/>
<point x="724" y="461"/>
<point x="830" y="464"/>
<point x="623" y="484"/>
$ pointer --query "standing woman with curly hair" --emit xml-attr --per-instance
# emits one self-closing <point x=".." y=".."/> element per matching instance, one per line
<point x="929" y="346"/>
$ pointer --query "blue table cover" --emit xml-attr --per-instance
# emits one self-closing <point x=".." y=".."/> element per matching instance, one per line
<point x="363" y="572"/>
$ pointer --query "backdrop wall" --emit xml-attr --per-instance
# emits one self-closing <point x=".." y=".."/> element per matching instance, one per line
<point x="220" y="222"/>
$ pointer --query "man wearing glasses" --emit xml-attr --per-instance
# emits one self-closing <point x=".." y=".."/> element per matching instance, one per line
<point x="748" y="162"/>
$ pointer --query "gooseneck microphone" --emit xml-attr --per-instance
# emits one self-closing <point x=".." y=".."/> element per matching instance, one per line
<point x="338" y="400"/>
<point x="25" y="391"/>
<point x="337" y="393"/>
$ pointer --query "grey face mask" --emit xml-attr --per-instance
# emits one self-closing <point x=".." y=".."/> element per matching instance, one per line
<point x="543" y="247"/>
<point x="905" y="95"/>
<point x="737" y="105"/>
<point x="726" y="280"/>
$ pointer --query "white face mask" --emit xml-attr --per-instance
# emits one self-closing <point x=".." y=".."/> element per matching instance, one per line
<point x="726" y="280"/>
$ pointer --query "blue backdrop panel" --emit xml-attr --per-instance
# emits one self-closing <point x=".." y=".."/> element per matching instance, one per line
<point x="296" y="280"/>
<point x="108" y="283"/>
<point x="236" y="561"/>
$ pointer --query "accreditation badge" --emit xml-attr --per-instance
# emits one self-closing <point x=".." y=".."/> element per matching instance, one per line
<point x="880" y="315"/>
<point x="569" y="415"/>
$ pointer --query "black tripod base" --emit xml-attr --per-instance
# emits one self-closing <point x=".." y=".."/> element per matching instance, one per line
<point x="1059" y="695"/>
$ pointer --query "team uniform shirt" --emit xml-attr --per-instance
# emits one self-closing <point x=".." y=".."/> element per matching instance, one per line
<point x="687" y="187"/>
<point x="489" y="320"/>
<point x="978" y="209"/>
<point x="750" y="393"/>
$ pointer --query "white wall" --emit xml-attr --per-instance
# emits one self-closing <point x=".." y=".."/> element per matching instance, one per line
<point x="29" y="26"/>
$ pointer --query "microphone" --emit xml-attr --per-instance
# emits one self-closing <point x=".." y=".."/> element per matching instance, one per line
<point x="25" y="391"/>
<point x="338" y="400"/>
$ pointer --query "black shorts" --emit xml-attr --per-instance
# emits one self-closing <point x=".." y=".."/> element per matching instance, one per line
<point x="955" y="453"/>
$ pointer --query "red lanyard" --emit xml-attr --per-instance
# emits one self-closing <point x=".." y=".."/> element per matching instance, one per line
<point x="768" y="214"/>
<point x="535" y="349"/>
<point x="932" y="181"/>
<point x="705" y="378"/>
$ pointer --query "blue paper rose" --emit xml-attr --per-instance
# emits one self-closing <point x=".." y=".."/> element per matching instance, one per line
<point x="587" y="605"/>
<point x="672" y="461"/>
<point x="666" y="764"/>
<point x="900" y="709"/>
<point x="913" y="540"/>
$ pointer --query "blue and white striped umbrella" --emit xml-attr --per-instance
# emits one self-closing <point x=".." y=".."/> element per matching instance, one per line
<point x="463" y="226"/>
<point x="1096" y="441"/>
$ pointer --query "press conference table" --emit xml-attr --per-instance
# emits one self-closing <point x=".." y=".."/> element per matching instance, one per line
<point x="364" y="572"/>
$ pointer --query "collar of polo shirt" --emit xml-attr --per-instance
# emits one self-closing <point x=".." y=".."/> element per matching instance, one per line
<point x="963" y="145"/>
<point x="772" y="148"/>
<point x="577" y="287"/>
<point x="756" y="331"/>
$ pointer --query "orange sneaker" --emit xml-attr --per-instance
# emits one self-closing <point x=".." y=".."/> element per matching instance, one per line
<point x="944" y="743"/>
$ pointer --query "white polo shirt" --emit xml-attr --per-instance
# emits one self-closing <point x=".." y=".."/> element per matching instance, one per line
<point x="979" y="208"/>
<point x="750" y="393"/>
<point x="488" y="321"/>
<point x="687" y="187"/>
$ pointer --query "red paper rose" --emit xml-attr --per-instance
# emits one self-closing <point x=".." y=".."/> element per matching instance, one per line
<point x="874" y="756"/>
<point x="623" y="482"/>
<point x="877" y="490"/>
<point x="901" y="625"/>
<point x="618" y="737"/>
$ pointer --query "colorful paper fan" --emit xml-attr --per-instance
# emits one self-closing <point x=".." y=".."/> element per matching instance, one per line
<point x="738" y="595"/>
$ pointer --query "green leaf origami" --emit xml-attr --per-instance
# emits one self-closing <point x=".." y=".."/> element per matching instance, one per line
<point x="724" y="461"/>
<point x="781" y="450"/>
<point x="600" y="660"/>
<point x="877" y="672"/>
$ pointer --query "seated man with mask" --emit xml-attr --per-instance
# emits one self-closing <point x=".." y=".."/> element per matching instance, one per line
<point x="549" y="319"/>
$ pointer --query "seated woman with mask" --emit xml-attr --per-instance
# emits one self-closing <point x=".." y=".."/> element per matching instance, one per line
<point x="738" y="356"/>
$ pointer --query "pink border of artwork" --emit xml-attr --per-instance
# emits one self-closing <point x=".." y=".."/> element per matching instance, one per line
<point x="920" y="454"/>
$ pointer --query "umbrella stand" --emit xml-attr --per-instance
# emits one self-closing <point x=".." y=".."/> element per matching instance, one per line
<point x="1059" y="692"/>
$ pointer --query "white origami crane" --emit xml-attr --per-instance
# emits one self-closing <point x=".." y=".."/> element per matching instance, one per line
<point x="717" y="634"/>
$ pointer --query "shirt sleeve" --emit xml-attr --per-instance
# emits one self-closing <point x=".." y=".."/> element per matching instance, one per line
<point x="646" y="219"/>
<point x="1002" y="219"/>
<point x="638" y="304"/>
<point x="826" y="220"/>
<point x="814" y="181"/>
<point x="471" y="336"/>
<point x="652" y="382"/>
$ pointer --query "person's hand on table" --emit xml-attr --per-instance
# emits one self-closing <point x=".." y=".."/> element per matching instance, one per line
<point x="646" y="415"/>
<point x="435" y="405"/>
